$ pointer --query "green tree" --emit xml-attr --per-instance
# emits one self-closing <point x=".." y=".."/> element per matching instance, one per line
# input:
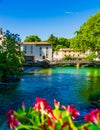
<point x="92" y="56"/>
<point x="32" y="38"/>
<point x="58" y="43"/>
<point x="54" y="41"/>
<point x="64" y="42"/>
<point x="88" y="36"/>
<point x="11" y="56"/>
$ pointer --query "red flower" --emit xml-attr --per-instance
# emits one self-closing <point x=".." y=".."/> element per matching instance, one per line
<point x="41" y="103"/>
<point x="56" y="104"/>
<point x="49" y="121"/>
<point x="10" y="112"/>
<point x="93" y="116"/>
<point x="12" y="121"/>
<point x="48" y="109"/>
<point x="71" y="111"/>
<point x="65" y="124"/>
<point x="43" y="127"/>
<point x="50" y="113"/>
<point x="85" y="128"/>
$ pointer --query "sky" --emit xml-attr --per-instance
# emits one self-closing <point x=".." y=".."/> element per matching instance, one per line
<point x="44" y="17"/>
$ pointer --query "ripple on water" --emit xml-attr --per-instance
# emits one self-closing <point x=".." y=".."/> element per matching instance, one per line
<point x="67" y="84"/>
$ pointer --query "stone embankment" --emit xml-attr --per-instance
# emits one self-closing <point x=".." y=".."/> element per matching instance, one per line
<point x="77" y="63"/>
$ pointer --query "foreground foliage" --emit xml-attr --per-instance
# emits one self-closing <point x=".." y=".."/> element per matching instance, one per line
<point x="11" y="56"/>
<point x="42" y="117"/>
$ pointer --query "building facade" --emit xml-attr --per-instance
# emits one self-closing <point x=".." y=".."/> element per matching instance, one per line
<point x="37" y="51"/>
<point x="63" y="52"/>
<point x="1" y="36"/>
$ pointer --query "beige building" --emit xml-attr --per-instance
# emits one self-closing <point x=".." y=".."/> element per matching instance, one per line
<point x="37" y="51"/>
<point x="1" y="36"/>
<point x="68" y="52"/>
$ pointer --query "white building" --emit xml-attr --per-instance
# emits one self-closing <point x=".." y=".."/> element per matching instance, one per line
<point x="1" y="36"/>
<point x="37" y="51"/>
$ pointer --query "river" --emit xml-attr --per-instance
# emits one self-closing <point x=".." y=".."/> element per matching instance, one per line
<point x="69" y="85"/>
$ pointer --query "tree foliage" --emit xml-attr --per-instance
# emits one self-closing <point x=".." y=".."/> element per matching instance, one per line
<point x="11" y="56"/>
<point x="32" y="38"/>
<point x="88" y="36"/>
<point x="54" y="41"/>
<point x="58" y="43"/>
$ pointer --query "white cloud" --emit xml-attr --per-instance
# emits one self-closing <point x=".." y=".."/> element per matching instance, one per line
<point x="67" y="12"/>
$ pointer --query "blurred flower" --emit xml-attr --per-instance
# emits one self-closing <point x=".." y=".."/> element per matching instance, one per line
<point x="93" y="116"/>
<point x="56" y="104"/>
<point x="85" y="128"/>
<point x="70" y="110"/>
<point x="44" y="117"/>
<point x="10" y="112"/>
<point x="12" y="121"/>
<point x="23" y="106"/>
<point x="65" y="124"/>
<point x="42" y="127"/>
<point x="41" y="103"/>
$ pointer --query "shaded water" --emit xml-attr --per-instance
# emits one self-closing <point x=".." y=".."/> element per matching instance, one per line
<point x="68" y="85"/>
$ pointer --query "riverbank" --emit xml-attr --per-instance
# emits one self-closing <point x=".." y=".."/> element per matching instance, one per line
<point x="76" y="63"/>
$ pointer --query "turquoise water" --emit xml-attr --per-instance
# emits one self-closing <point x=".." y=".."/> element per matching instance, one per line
<point x="68" y="85"/>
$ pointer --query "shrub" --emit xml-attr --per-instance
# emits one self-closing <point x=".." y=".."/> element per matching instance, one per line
<point x="67" y="58"/>
<point x="92" y="56"/>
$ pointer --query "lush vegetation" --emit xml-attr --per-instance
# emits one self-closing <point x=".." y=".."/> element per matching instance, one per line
<point x="67" y="58"/>
<point x="43" y="117"/>
<point x="11" y="56"/>
<point x="58" y="42"/>
<point x="88" y="36"/>
<point x="91" y="56"/>
<point x="32" y="38"/>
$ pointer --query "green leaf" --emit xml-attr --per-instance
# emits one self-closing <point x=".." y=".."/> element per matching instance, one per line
<point x="93" y="127"/>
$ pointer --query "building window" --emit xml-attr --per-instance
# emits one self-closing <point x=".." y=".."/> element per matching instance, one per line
<point x="40" y="51"/>
<point x="25" y="48"/>
<point x="46" y="52"/>
<point x="43" y="57"/>
<point x="31" y="49"/>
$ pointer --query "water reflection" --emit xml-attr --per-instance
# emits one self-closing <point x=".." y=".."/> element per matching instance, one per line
<point x="48" y="71"/>
<point x="93" y="87"/>
<point x="66" y="84"/>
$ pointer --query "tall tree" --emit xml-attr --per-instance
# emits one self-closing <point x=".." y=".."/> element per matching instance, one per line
<point x="58" y="42"/>
<point x="88" y="36"/>
<point x="64" y="41"/>
<point x="32" y="38"/>
<point x="54" y="41"/>
<point x="11" y="56"/>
